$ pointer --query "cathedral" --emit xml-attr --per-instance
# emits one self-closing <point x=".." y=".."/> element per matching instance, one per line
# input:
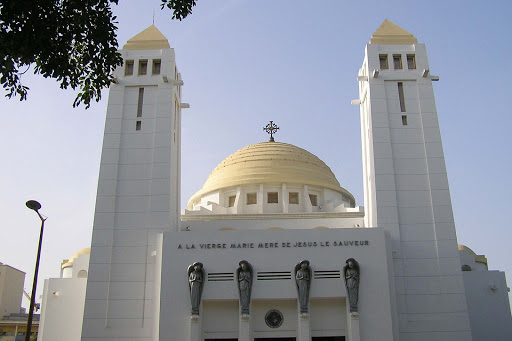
<point x="272" y="246"/>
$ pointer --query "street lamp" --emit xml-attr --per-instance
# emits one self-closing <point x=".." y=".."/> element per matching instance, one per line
<point x="34" y="205"/>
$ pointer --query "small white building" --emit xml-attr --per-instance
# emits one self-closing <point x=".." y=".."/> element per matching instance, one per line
<point x="62" y="308"/>
<point x="486" y="296"/>
<point x="275" y="205"/>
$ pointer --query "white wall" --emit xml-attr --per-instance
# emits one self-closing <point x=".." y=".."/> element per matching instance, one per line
<point x="138" y="197"/>
<point x="80" y="266"/>
<point x="468" y="258"/>
<point x="216" y="202"/>
<point x="488" y="305"/>
<point x="406" y="193"/>
<point x="220" y="319"/>
<point x="328" y="317"/>
<point x="62" y="309"/>
<point x="376" y="312"/>
<point x="264" y="222"/>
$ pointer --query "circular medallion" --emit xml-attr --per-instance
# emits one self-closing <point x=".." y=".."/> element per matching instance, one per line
<point x="274" y="318"/>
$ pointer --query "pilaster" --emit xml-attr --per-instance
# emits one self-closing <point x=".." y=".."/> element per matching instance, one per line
<point x="304" y="326"/>
<point x="245" y="328"/>
<point x="195" y="328"/>
<point x="353" y="332"/>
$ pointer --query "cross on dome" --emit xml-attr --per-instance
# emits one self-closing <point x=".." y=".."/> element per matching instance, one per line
<point x="271" y="129"/>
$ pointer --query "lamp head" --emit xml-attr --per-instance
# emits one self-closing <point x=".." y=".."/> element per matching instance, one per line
<point x="33" y="205"/>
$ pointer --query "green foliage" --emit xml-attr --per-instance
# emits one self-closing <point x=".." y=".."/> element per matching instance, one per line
<point x="72" y="41"/>
<point x="180" y="8"/>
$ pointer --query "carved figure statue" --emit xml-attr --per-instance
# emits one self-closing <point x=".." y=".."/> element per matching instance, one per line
<point x="195" y="282"/>
<point x="244" y="276"/>
<point x="303" y="282"/>
<point x="351" y="275"/>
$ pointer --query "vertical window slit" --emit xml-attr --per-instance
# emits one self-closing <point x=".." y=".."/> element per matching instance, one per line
<point x="411" y="62"/>
<point x="156" y="66"/>
<point x="404" y="120"/>
<point x="128" y="68"/>
<point x="313" y="199"/>
<point x="143" y="66"/>
<point x="383" y="61"/>
<point x="401" y="96"/>
<point x="140" y="103"/>
<point x="231" y="201"/>
<point x="176" y="110"/>
<point x="397" y="61"/>
<point x="138" y="125"/>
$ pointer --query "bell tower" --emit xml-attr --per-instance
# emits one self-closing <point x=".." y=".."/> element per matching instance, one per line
<point x="138" y="190"/>
<point x="406" y="186"/>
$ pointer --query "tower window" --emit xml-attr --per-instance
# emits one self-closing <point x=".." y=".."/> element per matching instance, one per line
<point x="251" y="199"/>
<point x="128" y="68"/>
<point x="397" y="61"/>
<point x="293" y="198"/>
<point x="313" y="199"/>
<point x="143" y="66"/>
<point x="231" y="201"/>
<point x="383" y="61"/>
<point x="401" y="96"/>
<point x="411" y="62"/>
<point x="272" y="198"/>
<point x="404" y="120"/>
<point x="156" y="66"/>
<point x="138" y="125"/>
<point x="140" y="103"/>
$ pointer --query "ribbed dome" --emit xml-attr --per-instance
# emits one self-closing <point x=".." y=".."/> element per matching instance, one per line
<point x="270" y="162"/>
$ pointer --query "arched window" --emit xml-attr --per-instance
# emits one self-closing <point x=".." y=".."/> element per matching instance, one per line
<point x="82" y="274"/>
<point x="466" y="267"/>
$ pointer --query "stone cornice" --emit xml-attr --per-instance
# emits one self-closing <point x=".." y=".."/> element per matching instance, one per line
<point x="319" y="215"/>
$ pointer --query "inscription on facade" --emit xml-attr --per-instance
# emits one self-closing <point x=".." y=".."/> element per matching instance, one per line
<point x="274" y="245"/>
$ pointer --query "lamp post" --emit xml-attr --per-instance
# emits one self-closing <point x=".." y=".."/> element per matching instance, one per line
<point x="34" y="205"/>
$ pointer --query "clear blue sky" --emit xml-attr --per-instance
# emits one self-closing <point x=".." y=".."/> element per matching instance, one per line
<point x="295" y="62"/>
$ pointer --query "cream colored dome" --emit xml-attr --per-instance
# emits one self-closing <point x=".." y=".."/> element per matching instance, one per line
<point x="69" y="262"/>
<point x="478" y="258"/>
<point x="270" y="162"/>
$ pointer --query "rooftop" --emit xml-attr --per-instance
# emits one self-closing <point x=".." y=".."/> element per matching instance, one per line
<point x="389" y="33"/>
<point x="149" y="39"/>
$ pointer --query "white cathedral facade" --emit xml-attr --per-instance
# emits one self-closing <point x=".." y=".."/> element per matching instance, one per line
<point x="272" y="247"/>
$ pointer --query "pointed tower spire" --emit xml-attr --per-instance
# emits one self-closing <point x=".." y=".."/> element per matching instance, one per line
<point x="389" y="33"/>
<point x="149" y="39"/>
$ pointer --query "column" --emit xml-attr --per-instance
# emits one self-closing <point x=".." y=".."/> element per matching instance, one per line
<point x="352" y="325"/>
<point x="245" y="330"/>
<point x="260" y="199"/>
<point x="195" y="328"/>
<point x="284" y="198"/>
<point x="304" y="327"/>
